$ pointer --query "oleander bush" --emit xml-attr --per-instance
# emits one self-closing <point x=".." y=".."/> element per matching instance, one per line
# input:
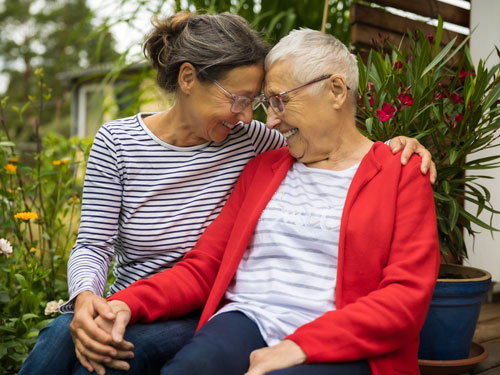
<point x="452" y="107"/>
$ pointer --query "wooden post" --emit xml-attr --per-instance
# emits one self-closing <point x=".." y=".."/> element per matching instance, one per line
<point x="325" y="15"/>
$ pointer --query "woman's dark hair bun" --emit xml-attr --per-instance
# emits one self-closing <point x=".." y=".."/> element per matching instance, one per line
<point x="214" y="44"/>
<point x="158" y="42"/>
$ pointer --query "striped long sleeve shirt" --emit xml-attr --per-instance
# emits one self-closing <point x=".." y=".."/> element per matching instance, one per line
<point x="146" y="202"/>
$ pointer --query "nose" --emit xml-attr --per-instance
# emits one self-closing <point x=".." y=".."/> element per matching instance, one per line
<point x="246" y="115"/>
<point x="273" y="120"/>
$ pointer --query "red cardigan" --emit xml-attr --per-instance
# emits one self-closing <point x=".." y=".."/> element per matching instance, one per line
<point x="388" y="259"/>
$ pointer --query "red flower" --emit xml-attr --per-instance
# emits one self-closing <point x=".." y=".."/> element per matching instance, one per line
<point x="463" y="74"/>
<point x="386" y="112"/>
<point x="398" y="65"/>
<point x="405" y="99"/>
<point x="445" y="93"/>
<point x="459" y="117"/>
<point x="456" y="98"/>
<point x="371" y="101"/>
<point x="430" y="37"/>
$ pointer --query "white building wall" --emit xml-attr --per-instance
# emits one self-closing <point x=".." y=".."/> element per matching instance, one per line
<point x="485" y="14"/>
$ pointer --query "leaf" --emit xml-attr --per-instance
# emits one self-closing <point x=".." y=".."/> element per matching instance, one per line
<point x="446" y="187"/>
<point x="454" y="214"/>
<point x="21" y="280"/>
<point x="478" y="222"/>
<point x="439" y="34"/>
<point x="453" y="156"/>
<point x="439" y="57"/>
<point x="442" y="198"/>
<point x="369" y="125"/>
<point x="492" y="98"/>
<point x="4" y="297"/>
<point x="7" y="144"/>
<point x="29" y="316"/>
<point x="25" y="107"/>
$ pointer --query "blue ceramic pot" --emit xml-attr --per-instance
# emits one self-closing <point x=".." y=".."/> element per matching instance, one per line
<point x="453" y="314"/>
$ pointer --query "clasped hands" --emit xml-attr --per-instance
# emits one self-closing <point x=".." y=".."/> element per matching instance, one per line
<point x="97" y="330"/>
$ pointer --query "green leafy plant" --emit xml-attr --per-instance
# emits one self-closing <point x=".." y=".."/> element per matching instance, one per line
<point x="39" y="211"/>
<point x="437" y="96"/>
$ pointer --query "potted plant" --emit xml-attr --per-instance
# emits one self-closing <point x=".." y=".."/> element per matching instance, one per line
<point x="437" y="96"/>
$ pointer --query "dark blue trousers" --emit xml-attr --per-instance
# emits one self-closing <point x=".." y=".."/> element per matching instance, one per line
<point x="223" y="346"/>
<point x="154" y="344"/>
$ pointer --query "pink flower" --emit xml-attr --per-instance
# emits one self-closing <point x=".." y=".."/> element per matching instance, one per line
<point x="456" y="98"/>
<point x="5" y="247"/>
<point x="370" y="86"/>
<point x="371" y="101"/>
<point x="459" y="117"/>
<point x="405" y="99"/>
<point x="463" y="74"/>
<point x="398" y="65"/>
<point x="386" y="112"/>
<point x="445" y="93"/>
<point x="53" y="307"/>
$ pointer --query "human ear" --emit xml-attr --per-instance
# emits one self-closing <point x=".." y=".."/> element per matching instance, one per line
<point x="338" y="88"/>
<point x="186" y="77"/>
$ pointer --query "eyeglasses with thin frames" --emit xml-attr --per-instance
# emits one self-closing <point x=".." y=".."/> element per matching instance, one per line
<point x="276" y="101"/>
<point x="240" y="103"/>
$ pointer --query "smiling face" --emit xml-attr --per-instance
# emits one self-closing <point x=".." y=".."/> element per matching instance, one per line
<point x="209" y="107"/>
<point x="308" y="121"/>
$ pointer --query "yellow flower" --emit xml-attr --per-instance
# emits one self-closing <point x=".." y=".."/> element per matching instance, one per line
<point x="59" y="162"/>
<point x="26" y="216"/>
<point x="11" y="168"/>
<point x="14" y="160"/>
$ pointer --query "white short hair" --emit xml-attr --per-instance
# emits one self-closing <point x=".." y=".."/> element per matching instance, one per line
<point x="313" y="54"/>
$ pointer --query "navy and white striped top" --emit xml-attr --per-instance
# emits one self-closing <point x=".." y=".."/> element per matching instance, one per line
<point x="146" y="202"/>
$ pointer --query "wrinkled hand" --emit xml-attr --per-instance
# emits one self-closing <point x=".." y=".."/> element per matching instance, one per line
<point x="412" y="146"/>
<point x="93" y="344"/>
<point x="285" y="354"/>
<point x="117" y="329"/>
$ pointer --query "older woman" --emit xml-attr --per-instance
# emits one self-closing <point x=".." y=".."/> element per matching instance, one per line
<point x="324" y="258"/>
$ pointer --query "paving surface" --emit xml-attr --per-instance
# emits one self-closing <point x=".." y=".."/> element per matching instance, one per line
<point x="488" y="334"/>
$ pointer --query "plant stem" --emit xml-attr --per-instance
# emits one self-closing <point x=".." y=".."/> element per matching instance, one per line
<point x="4" y="125"/>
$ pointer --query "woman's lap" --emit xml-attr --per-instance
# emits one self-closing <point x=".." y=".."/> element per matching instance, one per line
<point x="223" y="346"/>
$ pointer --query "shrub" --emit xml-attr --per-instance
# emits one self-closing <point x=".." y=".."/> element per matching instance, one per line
<point x="39" y="213"/>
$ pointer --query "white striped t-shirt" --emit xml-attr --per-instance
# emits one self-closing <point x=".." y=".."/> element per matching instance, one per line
<point x="146" y="202"/>
<point x="288" y="273"/>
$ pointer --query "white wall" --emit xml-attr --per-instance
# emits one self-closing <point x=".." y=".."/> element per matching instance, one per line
<point x="485" y="14"/>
